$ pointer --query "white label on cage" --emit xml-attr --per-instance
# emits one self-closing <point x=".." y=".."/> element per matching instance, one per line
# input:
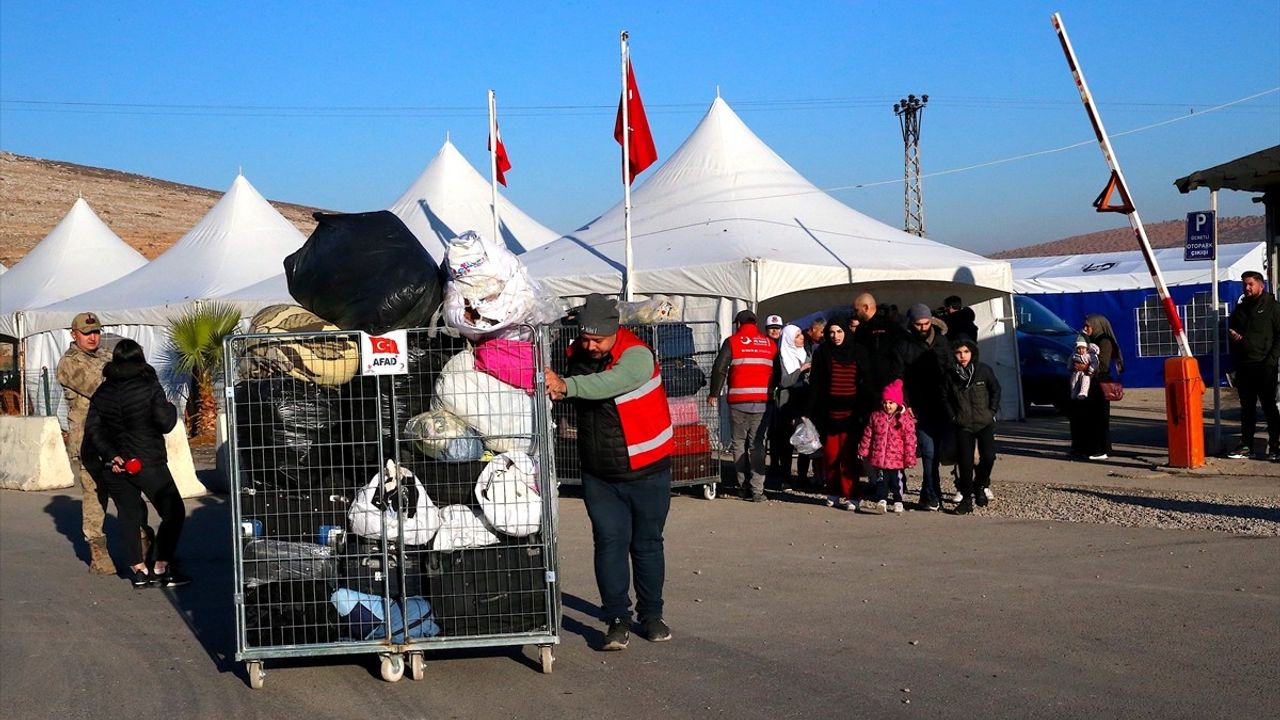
<point x="230" y="392"/>
<point x="386" y="354"/>
<point x="551" y="576"/>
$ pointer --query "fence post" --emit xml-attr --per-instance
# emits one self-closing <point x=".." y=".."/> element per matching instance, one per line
<point x="44" y="380"/>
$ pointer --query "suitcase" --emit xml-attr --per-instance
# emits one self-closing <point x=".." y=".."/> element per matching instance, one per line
<point x="363" y="568"/>
<point x="681" y="377"/>
<point x="488" y="591"/>
<point x="691" y="440"/>
<point x="447" y="483"/>
<point x="686" y="468"/>
<point x="295" y="515"/>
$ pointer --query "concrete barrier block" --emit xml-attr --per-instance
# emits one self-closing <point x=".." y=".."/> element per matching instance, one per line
<point x="33" y="455"/>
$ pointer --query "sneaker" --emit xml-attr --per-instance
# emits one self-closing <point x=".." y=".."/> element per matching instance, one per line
<point x="965" y="506"/>
<point x="171" y="578"/>
<point x="990" y="495"/>
<point x="141" y="578"/>
<point x="759" y="498"/>
<point x="655" y="630"/>
<point x="617" y="636"/>
<point x="957" y="497"/>
<point x="980" y="499"/>
<point x="898" y="507"/>
<point x="1242" y="452"/>
<point x="1099" y="456"/>
<point x="830" y="501"/>
<point x="881" y="507"/>
<point x="844" y="504"/>
<point x="850" y="505"/>
<point x="928" y="506"/>
<point x="1274" y="455"/>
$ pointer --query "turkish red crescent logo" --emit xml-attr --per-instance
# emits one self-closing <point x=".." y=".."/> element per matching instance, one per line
<point x="384" y="345"/>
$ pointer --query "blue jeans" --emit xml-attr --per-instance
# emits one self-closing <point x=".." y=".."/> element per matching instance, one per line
<point x="888" y="484"/>
<point x="928" y="438"/>
<point x="627" y="519"/>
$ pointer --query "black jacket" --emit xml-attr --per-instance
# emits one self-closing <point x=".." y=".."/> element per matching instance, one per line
<point x="973" y="402"/>
<point x="880" y="337"/>
<point x="962" y="323"/>
<point x="129" y="415"/>
<point x="924" y="369"/>
<point x="820" y="403"/>
<point x="1258" y="320"/>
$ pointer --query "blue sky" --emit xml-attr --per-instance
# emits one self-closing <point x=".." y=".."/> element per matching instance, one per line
<point x="341" y="105"/>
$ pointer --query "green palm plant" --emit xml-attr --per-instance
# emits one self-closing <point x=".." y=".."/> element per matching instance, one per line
<point x="196" y="345"/>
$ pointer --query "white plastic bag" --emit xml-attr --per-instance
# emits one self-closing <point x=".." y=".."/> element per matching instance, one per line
<point x="508" y="494"/>
<point x="462" y="527"/>
<point x="805" y="439"/>
<point x="490" y="294"/>
<point x="501" y="413"/>
<point x="441" y="435"/>
<point x="374" y="506"/>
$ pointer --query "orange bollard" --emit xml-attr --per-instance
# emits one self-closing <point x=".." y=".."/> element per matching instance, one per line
<point x="1183" y="388"/>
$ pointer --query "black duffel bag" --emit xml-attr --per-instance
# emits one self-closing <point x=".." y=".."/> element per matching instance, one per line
<point x="296" y="612"/>
<point x="365" y="271"/>
<point x="488" y="591"/>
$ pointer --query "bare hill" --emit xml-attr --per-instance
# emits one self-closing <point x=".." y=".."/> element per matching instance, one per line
<point x="1171" y="233"/>
<point x="148" y="214"/>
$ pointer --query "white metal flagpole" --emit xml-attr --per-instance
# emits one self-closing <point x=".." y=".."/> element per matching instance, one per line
<point x="626" y="173"/>
<point x="1117" y="182"/>
<point x="493" y="162"/>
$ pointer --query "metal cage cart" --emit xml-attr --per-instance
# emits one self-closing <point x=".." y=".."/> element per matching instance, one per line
<point x="390" y="514"/>
<point x="685" y="352"/>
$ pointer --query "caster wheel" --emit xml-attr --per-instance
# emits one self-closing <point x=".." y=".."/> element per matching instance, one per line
<point x="548" y="658"/>
<point x="257" y="675"/>
<point x="709" y="491"/>
<point x="417" y="666"/>
<point x="392" y="667"/>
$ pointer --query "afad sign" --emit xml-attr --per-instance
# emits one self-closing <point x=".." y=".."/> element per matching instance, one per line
<point x="384" y="354"/>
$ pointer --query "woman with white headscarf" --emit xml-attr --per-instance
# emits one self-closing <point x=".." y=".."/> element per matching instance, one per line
<point x="791" y="374"/>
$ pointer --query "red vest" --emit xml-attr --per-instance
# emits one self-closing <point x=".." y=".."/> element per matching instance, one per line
<point x="643" y="412"/>
<point x="752" y="365"/>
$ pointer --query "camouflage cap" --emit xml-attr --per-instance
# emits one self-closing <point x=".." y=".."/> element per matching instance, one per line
<point x="86" y="322"/>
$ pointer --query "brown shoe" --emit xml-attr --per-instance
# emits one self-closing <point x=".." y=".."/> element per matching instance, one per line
<point x="99" y="559"/>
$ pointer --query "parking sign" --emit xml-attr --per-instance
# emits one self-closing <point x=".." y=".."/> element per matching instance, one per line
<point x="1200" y="240"/>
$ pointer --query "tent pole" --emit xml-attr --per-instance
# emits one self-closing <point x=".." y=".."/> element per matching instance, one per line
<point x="1217" y="323"/>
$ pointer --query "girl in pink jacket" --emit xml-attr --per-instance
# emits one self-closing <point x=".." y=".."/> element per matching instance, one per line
<point x="889" y="447"/>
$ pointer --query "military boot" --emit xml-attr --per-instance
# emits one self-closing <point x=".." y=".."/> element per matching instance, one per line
<point x="99" y="559"/>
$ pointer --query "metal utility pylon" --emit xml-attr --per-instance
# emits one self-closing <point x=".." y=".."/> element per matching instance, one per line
<point x="909" y="111"/>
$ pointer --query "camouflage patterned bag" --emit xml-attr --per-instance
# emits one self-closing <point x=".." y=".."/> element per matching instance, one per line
<point x="328" y="361"/>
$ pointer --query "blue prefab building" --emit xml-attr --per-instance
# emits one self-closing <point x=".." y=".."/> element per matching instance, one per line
<point x="1118" y="286"/>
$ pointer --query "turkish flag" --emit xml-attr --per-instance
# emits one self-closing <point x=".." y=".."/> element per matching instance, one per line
<point x="382" y="345"/>
<point x="504" y="162"/>
<point x="643" y="152"/>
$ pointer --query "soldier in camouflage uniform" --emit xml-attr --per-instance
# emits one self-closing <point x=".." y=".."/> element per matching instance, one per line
<point x="80" y="374"/>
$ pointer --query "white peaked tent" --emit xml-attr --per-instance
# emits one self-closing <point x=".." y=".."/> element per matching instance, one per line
<point x="726" y="223"/>
<point x="240" y="241"/>
<point x="79" y="254"/>
<point x="450" y="197"/>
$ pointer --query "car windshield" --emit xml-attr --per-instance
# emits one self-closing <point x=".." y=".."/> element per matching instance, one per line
<point x="1037" y="319"/>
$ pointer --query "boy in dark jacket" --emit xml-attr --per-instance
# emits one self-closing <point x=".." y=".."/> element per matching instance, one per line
<point x="973" y="399"/>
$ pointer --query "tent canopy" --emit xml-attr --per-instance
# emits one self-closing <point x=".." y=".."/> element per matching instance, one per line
<point x="726" y="216"/>
<point x="240" y="241"/>
<point x="450" y="198"/>
<point x="1256" y="172"/>
<point x="80" y="253"/>
<point x="1105" y="272"/>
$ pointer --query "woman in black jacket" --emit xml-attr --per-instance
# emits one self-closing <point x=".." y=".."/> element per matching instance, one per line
<point x="973" y="400"/>
<point x="127" y="421"/>
<point x="1090" y="418"/>
<point x="836" y="379"/>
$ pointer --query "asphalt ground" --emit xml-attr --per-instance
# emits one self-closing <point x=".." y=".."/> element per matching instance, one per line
<point x="783" y="609"/>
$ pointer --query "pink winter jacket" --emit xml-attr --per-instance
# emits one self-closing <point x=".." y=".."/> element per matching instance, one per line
<point x="889" y="441"/>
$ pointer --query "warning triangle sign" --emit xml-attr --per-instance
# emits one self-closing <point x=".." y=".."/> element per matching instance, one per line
<point x="1103" y="202"/>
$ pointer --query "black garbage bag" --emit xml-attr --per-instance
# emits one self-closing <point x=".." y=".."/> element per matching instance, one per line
<point x="365" y="271"/>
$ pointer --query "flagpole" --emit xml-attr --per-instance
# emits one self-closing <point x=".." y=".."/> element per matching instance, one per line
<point x="493" y="162"/>
<point x="626" y="173"/>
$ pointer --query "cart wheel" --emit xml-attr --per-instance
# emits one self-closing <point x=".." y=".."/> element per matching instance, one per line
<point x="417" y="666"/>
<point x="392" y="667"/>
<point x="256" y="674"/>
<point x="548" y="658"/>
<point x="709" y="491"/>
